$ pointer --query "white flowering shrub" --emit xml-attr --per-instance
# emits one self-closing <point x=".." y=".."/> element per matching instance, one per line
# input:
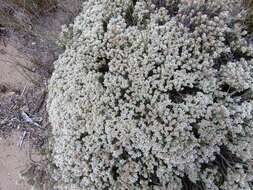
<point x="154" y="94"/>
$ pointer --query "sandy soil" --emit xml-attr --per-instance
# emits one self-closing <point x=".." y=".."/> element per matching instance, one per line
<point x="13" y="159"/>
<point x="14" y="68"/>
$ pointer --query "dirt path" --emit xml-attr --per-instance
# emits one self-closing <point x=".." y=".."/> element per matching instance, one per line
<point x="12" y="160"/>
<point x="14" y="67"/>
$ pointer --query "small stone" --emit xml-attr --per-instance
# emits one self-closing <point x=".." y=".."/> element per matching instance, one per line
<point x="3" y="88"/>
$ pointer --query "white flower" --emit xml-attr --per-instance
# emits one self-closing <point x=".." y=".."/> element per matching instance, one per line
<point x="151" y="93"/>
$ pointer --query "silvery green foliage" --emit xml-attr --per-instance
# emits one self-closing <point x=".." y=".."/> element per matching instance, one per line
<point x="154" y="94"/>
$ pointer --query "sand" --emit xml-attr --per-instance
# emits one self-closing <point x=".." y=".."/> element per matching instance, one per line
<point x="13" y="159"/>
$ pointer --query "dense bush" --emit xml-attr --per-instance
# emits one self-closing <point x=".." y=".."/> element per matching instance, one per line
<point x="154" y="94"/>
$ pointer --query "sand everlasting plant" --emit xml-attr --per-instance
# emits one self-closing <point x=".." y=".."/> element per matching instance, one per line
<point x="154" y="94"/>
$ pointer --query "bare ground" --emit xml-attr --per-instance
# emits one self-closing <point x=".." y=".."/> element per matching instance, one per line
<point x="13" y="159"/>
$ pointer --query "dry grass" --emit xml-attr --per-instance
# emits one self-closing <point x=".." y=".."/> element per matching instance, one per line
<point x="19" y="14"/>
<point x="249" y="19"/>
<point x="35" y="7"/>
<point x="31" y="22"/>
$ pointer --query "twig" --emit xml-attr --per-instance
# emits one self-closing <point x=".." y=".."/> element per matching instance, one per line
<point x="41" y="101"/>
<point x="226" y="161"/>
<point x="28" y="119"/>
<point x="23" y="90"/>
<point x="22" y="138"/>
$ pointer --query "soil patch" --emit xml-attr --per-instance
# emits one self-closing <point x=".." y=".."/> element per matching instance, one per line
<point x="13" y="159"/>
<point x="16" y="69"/>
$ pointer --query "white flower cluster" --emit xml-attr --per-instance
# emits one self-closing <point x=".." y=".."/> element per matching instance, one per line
<point x="154" y="94"/>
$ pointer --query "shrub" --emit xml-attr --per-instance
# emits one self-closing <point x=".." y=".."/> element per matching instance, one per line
<point x="154" y="94"/>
